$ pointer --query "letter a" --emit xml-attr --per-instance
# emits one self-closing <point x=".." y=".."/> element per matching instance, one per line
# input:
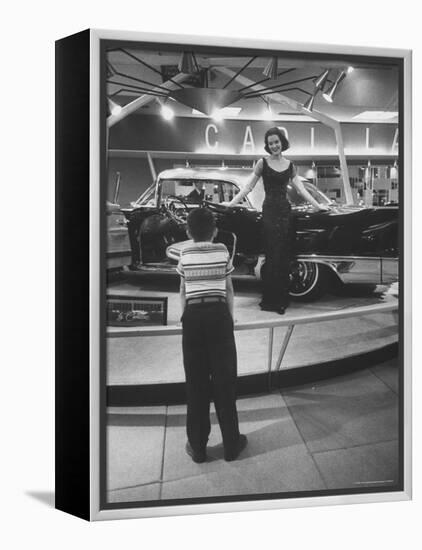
<point x="248" y="140"/>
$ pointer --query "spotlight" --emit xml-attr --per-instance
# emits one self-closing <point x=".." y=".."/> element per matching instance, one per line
<point x="329" y="94"/>
<point x="167" y="112"/>
<point x="271" y="69"/>
<point x="187" y="63"/>
<point x="320" y="81"/>
<point x="309" y="105"/>
<point x="114" y="108"/>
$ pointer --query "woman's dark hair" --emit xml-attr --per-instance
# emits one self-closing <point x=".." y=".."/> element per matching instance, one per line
<point x="201" y="224"/>
<point x="275" y="131"/>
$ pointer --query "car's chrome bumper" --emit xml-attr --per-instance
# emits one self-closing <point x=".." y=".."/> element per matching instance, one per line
<point x="349" y="269"/>
<point x="359" y="269"/>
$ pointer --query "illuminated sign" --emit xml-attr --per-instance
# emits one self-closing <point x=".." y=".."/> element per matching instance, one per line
<point x="150" y="133"/>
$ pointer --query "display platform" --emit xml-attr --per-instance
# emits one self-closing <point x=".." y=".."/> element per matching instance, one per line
<point x="336" y="334"/>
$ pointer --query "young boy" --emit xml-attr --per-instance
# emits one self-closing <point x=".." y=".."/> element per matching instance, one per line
<point x="209" y="350"/>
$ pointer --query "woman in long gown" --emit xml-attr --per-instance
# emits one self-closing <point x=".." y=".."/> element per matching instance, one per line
<point x="276" y="172"/>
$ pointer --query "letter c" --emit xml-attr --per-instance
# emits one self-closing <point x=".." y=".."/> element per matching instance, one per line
<point x="207" y="136"/>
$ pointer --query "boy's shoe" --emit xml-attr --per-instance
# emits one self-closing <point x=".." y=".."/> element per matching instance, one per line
<point x="241" y="444"/>
<point x="195" y="456"/>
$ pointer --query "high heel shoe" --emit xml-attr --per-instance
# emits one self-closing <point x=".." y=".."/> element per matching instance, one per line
<point x="270" y="307"/>
<point x="267" y="307"/>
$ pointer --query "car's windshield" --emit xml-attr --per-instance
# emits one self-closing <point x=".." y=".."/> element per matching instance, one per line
<point x="188" y="189"/>
<point x="193" y="190"/>
<point x="147" y="197"/>
<point x="297" y="200"/>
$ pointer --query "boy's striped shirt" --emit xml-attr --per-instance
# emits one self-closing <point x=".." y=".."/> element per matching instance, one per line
<point x="204" y="267"/>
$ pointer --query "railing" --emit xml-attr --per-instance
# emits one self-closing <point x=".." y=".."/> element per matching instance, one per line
<point x="271" y="324"/>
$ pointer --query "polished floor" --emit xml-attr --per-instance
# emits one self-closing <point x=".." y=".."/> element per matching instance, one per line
<point x="340" y="433"/>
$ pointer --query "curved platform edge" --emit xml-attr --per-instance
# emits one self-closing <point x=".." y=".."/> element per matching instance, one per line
<point x="174" y="393"/>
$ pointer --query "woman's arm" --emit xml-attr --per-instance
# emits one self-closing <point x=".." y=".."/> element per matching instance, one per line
<point x="182" y="293"/>
<point x="249" y="186"/>
<point x="306" y="195"/>
<point x="230" y="295"/>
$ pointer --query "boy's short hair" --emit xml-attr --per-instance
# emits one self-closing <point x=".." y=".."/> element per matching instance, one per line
<point x="201" y="224"/>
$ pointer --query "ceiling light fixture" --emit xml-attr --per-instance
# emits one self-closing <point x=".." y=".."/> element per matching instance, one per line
<point x="188" y="64"/>
<point x="320" y="81"/>
<point x="167" y="112"/>
<point x="271" y="69"/>
<point x="330" y="93"/>
<point x="115" y="109"/>
<point x="206" y="100"/>
<point x="309" y="104"/>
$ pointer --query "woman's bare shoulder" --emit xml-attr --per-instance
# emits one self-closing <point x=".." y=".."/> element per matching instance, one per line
<point x="259" y="166"/>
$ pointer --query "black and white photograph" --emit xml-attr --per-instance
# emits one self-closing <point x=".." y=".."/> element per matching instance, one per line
<point x="260" y="193"/>
<point x="211" y="212"/>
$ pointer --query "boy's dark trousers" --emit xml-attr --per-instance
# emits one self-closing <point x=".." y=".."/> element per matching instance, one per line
<point x="210" y="362"/>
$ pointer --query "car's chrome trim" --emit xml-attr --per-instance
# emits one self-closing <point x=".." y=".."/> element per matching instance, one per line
<point x="358" y="269"/>
<point x="389" y="270"/>
<point x="349" y="269"/>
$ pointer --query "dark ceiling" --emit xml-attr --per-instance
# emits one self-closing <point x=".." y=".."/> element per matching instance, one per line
<point x="367" y="89"/>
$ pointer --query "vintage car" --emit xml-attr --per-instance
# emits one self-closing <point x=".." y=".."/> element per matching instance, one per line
<point x="119" y="252"/>
<point x="345" y="244"/>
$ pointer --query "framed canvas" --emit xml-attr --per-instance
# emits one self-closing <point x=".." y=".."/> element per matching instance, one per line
<point x="152" y="129"/>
